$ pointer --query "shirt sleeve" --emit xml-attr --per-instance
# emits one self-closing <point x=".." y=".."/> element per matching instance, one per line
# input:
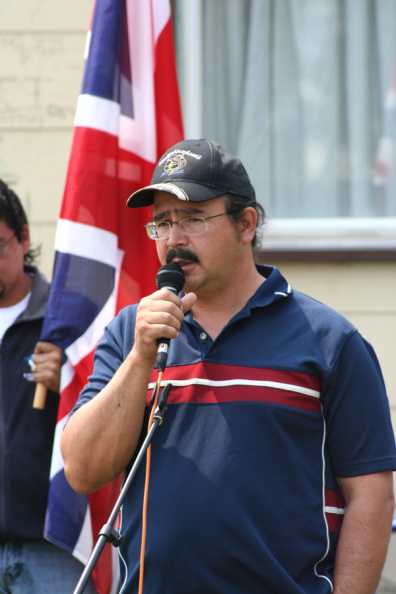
<point x="359" y="434"/>
<point x="113" y="348"/>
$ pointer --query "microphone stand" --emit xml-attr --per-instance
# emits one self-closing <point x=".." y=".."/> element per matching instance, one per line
<point x="108" y="533"/>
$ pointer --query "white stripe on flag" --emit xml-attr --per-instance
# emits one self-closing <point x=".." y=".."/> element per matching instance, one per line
<point x="67" y="374"/>
<point x="139" y="135"/>
<point x="98" y="113"/>
<point x="100" y="246"/>
<point x="88" y="341"/>
<point x="57" y="460"/>
<point x="87" y="44"/>
<point x="82" y="550"/>
<point x="104" y="115"/>
<point x="88" y="242"/>
<point x="161" y="15"/>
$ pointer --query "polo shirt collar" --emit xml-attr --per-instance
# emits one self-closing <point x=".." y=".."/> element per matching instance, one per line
<point x="273" y="289"/>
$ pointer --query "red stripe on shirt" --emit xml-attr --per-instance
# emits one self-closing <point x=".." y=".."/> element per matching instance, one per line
<point x="241" y="392"/>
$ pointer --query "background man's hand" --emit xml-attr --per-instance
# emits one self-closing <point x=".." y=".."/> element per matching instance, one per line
<point x="47" y="359"/>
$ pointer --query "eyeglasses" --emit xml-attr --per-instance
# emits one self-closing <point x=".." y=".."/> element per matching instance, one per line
<point x="194" y="225"/>
<point x="4" y="246"/>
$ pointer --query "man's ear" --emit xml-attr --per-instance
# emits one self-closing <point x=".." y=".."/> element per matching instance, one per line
<point x="247" y="224"/>
<point x="25" y="239"/>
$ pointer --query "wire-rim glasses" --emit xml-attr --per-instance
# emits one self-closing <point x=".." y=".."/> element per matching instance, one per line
<point x="192" y="225"/>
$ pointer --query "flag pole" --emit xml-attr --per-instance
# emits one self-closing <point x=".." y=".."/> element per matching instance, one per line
<point x="40" y="396"/>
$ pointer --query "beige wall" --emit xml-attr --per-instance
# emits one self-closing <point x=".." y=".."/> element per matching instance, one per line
<point x="41" y="63"/>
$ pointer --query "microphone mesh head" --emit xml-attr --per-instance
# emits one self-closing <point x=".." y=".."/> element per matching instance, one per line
<point x="170" y="276"/>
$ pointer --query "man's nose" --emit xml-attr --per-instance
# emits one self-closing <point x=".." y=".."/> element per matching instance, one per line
<point x="176" y="236"/>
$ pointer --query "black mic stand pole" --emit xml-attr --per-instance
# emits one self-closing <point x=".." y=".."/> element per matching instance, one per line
<point x="108" y="533"/>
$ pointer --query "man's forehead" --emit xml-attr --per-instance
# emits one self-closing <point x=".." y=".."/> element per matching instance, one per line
<point x="178" y="209"/>
<point x="165" y="203"/>
<point x="169" y="200"/>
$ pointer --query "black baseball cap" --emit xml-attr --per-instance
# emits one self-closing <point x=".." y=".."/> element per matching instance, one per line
<point x="195" y="171"/>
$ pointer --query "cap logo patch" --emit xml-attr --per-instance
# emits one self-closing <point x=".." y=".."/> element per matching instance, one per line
<point x="174" y="163"/>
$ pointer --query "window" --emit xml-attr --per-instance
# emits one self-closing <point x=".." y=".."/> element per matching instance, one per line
<point x="304" y="92"/>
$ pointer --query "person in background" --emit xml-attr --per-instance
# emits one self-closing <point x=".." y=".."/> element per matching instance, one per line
<point x="272" y="471"/>
<point x="28" y="563"/>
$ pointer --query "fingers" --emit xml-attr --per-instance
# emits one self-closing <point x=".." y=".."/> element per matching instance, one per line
<point x="46" y="364"/>
<point x="48" y="347"/>
<point x="159" y="315"/>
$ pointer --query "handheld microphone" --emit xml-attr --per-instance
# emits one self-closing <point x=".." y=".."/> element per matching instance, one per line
<point x="169" y="276"/>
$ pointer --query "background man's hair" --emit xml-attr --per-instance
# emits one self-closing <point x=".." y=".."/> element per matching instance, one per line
<point x="13" y="214"/>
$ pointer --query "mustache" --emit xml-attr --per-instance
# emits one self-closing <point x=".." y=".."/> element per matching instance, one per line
<point x="181" y="254"/>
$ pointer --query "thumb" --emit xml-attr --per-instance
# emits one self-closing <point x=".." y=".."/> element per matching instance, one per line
<point x="188" y="301"/>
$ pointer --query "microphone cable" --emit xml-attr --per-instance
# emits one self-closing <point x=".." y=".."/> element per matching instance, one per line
<point x="171" y="277"/>
<point x="146" y="486"/>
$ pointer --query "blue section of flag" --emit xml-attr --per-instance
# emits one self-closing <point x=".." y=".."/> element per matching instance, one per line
<point x="102" y="69"/>
<point x="75" y="303"/>
<point x="125" y="92"/>
<point x="64" y="502"/>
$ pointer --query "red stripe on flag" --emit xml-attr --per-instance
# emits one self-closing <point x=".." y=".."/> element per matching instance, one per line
<point x="167" y="103"/>
<point x="96" y="196"/>
<point x="70" y="393"/>
<point x="101" y="503"/>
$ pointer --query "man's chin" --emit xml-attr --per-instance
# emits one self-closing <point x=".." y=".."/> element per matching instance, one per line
<point x="193" y="282"/>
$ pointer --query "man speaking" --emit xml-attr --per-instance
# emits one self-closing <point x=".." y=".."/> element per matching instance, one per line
<point x="272" y="472"/>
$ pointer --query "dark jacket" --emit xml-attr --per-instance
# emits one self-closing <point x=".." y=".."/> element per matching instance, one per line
<point x="26" y="434"/>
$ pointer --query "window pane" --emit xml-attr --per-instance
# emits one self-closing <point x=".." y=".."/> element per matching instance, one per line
<point x="302" y="91"/>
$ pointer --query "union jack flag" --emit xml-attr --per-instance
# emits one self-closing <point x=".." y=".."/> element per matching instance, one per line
<point x="128" y="114"/>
